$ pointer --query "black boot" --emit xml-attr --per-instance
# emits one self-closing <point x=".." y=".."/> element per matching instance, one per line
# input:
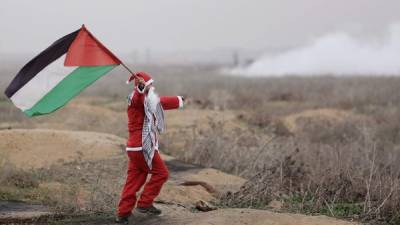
<point x="122" y="219"/>
<point x="151" y="210"/>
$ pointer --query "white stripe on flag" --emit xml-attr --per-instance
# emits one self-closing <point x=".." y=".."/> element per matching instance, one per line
<point x="26" y="97"/>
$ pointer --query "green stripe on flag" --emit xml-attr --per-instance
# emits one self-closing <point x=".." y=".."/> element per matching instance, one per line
<point x="68" y="88"/>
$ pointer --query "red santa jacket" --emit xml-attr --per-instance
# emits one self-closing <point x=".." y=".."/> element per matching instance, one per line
<point x="136" y="116"/>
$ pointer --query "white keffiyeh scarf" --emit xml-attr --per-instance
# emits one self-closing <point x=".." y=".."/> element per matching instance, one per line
<point x="153" y="124"/>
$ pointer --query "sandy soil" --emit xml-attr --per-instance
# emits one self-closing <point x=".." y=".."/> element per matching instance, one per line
<point x="107" y="116"/>
<point x="327" y="115"/>
<point x="177" y="215"/>
<point x="217" y="179"/>
<point x="40" y="148"/>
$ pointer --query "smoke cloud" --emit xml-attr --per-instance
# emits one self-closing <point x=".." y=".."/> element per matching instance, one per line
<point x="333" y="54"/>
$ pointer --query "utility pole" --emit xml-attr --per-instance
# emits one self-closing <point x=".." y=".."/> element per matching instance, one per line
<point x="235" y="57"/>
<point x="148" y="55"/>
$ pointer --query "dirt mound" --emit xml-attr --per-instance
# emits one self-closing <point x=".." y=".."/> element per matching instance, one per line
<point x="187" y="195"/>
<point x="183" y="125"/>
<point x="85" y="114"/>
<point x="109" y="116"/>
<point x="40" y="147"/>
<point x="217" y="179"/>
<point x="174" y="193"/>
<point x="261" y="217"/>
<point x="177" y="215"/>
<point x="332" y="116"/>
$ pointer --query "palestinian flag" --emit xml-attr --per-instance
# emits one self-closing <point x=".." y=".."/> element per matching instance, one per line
<point x="60" y="72"/>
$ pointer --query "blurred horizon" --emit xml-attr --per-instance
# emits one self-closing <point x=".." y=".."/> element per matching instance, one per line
<point x="204" y="32"/>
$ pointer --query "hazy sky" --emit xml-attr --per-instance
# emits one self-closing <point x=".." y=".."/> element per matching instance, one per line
<point x="183" y="25"/>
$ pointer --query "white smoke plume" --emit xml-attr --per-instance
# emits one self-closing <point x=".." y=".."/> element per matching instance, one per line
<point x="333" y="54"/>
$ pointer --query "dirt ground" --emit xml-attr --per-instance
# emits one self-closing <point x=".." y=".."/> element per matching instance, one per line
<point x="40" y="148"/>
<point x="235" y="217"/>
<point x="27" y="148"/>
<point x="327" y="115"/>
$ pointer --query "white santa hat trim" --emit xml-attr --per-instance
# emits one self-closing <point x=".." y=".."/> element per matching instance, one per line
<point x="149" y="82"/>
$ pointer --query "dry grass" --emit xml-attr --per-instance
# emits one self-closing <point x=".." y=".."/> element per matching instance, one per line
<point x="343" y="170"/>
<point x="340" y="167"/>
<point x="73" y="187"/>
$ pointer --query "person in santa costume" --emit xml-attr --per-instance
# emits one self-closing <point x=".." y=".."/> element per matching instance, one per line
<point x="145" y="123"/>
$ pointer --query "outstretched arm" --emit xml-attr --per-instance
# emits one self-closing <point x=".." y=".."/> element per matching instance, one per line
<point x="171" y="102"/>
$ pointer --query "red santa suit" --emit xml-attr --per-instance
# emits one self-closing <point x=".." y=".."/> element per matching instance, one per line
<point x="140" y="164"/>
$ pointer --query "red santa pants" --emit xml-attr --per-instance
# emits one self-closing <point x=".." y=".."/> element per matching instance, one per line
<point x="137" y="174"/>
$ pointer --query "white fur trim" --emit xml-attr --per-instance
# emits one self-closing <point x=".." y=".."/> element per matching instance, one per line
<point x="148" y="82"/>
<point x="133" y="149"/>
<point x="136" y="149"/>
<point x="180" y="102"/>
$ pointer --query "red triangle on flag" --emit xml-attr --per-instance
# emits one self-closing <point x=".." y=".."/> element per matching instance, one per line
<point x="86" y="50"/>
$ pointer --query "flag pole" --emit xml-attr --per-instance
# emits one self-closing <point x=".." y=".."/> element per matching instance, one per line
<point x="130" y="71"/>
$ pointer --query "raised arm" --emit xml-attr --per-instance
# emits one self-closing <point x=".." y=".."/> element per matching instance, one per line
<point x="171" y="102"/>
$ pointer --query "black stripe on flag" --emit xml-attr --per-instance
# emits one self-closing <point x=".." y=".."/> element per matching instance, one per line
<point x="37" y="64"/>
